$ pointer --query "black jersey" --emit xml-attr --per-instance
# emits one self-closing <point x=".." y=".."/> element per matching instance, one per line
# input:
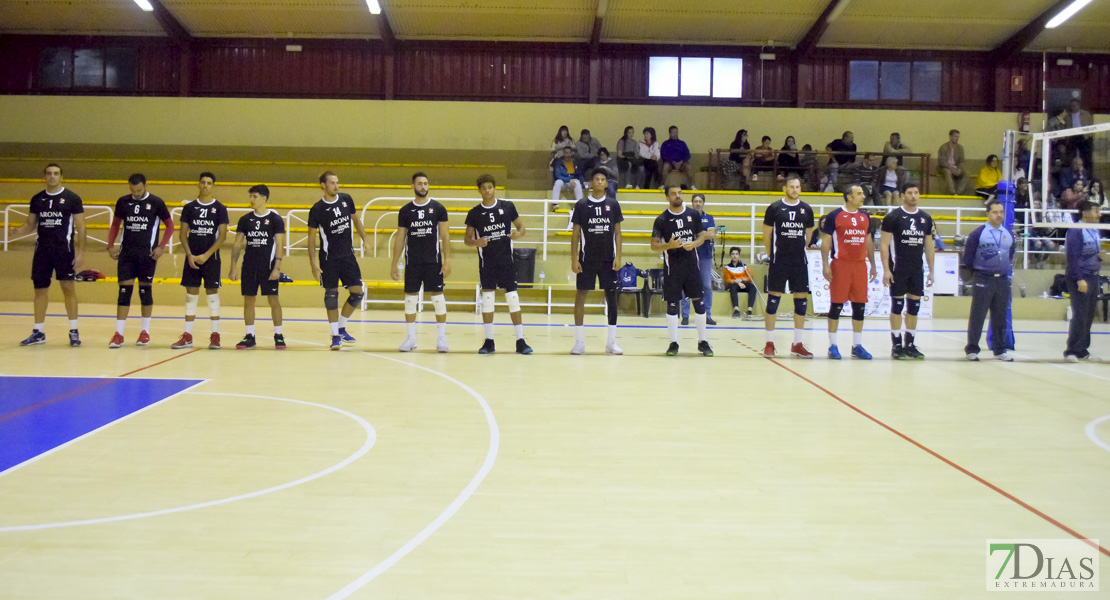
<point x="333" y="220"/>
<point x="789" y="223"/>
<point x="142" y="220"/>
<point x="422" y="223"/>
<point x="598" y="220"/>
<point x="909" y="231"/>
<point x="494" y="223"/>
<point x="54" y="213"/>
<point x="204" y="222"/>
<point x="686" y="226"/>
<point x="261" y="232"/>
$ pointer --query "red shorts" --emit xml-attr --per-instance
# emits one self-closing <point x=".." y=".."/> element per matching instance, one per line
<point x="849" y="282"/>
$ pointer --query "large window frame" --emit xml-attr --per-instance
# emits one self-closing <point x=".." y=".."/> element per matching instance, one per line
<point x="674" y="77"/>
<point x="901" y="81"/>
<point x="74" y="68"/>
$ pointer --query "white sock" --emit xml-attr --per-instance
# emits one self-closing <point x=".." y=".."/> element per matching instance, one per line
<point x="519" y="330"/>
<point x="912" y="332"/>
<point x="857" y="338"/>
<point x="441" y="329"/>
<point x="798" y="336"/>
<point x="189" y="327"/>
<point x="580" y="334"/>
<point x="699" y="320"/>
<point x="277" y="329"/>
<point x="770" y="335"/>
<point x="488" y="328"/>
<point x="894" y="332"/>
<point x="72" y="324"/>
<point x="334" y="328"/>
<point x="832" y="338"/>
<point x="672" y="327"/>
<point x="146" y="323"/>
<point x="342" y="322"/>
<point x="250" y="329"/>
<point x="119" y="325"/>
<point x="612" y="334"/>
<point x="40" y="326"/>
<point x="410" y="328"/>
<point x="215" y="325"/>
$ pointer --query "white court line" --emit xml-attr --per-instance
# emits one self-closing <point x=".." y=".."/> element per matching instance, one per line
<point x="371" y="437"/>
<point x="1093" y="434"/>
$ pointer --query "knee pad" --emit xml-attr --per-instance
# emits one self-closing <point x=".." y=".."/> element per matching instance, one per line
<point x="146" y="295"/>
<point x="410" y="304"/>
<point x="858" y="309"/>
<point x="213" y="305"/>
<point x="773" y="304"/>
<point x="896" y="305"/>
<point x="699" y="306"/>
<point x="125" y="292"/>
<point x="801" y="305"/>
<point x="331" y="299"/>
<point x="440" y="304"/>
<point x="672" y="308"/>
<point x="835" y="309"/>
<point x="355" y="300"/>
<point x="513" y="299"/>
<point x="487" y="302"/>
<point x="913" y="306"/>
<point x="191" y="301"/>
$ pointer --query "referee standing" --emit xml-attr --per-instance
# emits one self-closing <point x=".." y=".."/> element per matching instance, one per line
<point x="990" y="255"/>
<point x="1083" y="249"/>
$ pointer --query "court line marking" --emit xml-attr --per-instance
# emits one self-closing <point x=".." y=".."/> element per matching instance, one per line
<point x="371" y="437"/>
<point x="940" y="457"/>
<point x="160" y="362"/>
<point x="1092" y="432"/>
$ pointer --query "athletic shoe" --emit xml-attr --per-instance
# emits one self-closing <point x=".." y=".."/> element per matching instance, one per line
<point x="579" y="348"/>
<point x="36" y="337"/>
<point x="279" y="341"/>
<point x="860" y="353"/>
<point x="408" y="345"/>
<point x="144" y="338"/>
<point x="522" y="347"/>
<point x="736" y="313"/>
<point x="834" y="352"/>
<point x="705" y="348"/>
<point x="186" y="341"/>
<point x="685" y="321"/>
<point x="749" y="316"/>
<point x="1088" y="358"/>
<point x="672" y="350"/>
<point x="441" y="344"/>
<point x="74" y="338"/>
<point x="336" y="342"/>
<point x="1071" y="358"/>
<point x="117" y="340"/>
<point x="487" y="347"/>
<point x="709" y="320"/>
<point x="800" y="351"/>
<point x="769" y="350"/>
<point x="613" y="348"/>
<point x="246" y="343"/>
<point x="214" y="341"/>
<point x="1005" y="356"/>
<point x="973" y="356"/>
<point x="912" y="352"/>
<point x="897" y="352"/>
<point x="347" y="338"/>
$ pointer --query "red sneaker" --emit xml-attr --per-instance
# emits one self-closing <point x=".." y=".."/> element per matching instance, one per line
<point x="117" y="341"/>
<point x="214" y="342"/>
<point x="800" y="351"/>
<point x="144" y="338"/>
<point x="769" y="350"/>
<point x="186" y="341"/>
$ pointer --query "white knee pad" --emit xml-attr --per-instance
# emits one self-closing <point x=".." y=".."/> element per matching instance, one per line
<point x="514" y="301"/>
<point x="191" y="304"/>
<point x="213" y="305"/>
<point x="410" y="304"/>
<point x="440" y="304"/>
<point x="487" y="302"/>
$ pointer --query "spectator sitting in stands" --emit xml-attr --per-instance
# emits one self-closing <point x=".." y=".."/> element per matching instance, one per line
<point x="629" y="161"/>
<point x="1021" y="156"/>
<point x="1096" y="195"/>
<point x="788" y="157"/>
<point x="609" y="165"/>
<point x="807" y="162"/>
<point x="866" y="176"/>
<point x="986" y="183"/>
<point x="763" y="158"/>
<point x="815" y="239"/>
<point x="950" y="160"/>
<point x="567" y="174"/>
<point x="1074" y="173"/>
<point x="1081" y="145"/>
<point x="1043" y="241"/>
<point x="676" y="157"/>
<point x="1058" y="120"/>
<point x="895" y="148"/>
<point x="649" y="151"/>
<point x="738" y="168"/>
<point x="1073" y="196"/>
<point x="1021" y="196"/>
<point x="889" y="181"/>
<point x="562" y="140"/>
<point x="586" y="151"/>
<point x="738" y="279"/>
<point x="845" y="144"/>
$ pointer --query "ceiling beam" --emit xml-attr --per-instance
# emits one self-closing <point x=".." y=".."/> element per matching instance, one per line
<point x="599" y="20"/>
<point x="1024" y="36"/>
<point x="385" y="30"/>
<point x="170" y="24"/>
<point x="810" y="39"/>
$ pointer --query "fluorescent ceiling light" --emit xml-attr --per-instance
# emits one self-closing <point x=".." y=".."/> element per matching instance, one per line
<point x="145" y="5"/>
<point x="1066" y="14"/>
<point x="375" y="8"/>
<point x="839" y="8"/>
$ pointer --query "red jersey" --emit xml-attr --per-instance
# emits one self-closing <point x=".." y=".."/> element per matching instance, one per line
<point x="849" y="231"/>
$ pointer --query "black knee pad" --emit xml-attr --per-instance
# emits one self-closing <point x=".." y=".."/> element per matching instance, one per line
<point x="125" y="292"/>
<point x="896" y="305"/>
<point x="699" y="306"/>
<point x="354" y="300"/>
<point x="672" y="308"/>
<point x="773" y="304"/>
<point x="834" y="310"/>
<point x="913" y="306"/>
<point x="801" y="305"/>
<point x="146" y="295"/>
<point x="858" y="309"/>
<point x="331" y="299"/>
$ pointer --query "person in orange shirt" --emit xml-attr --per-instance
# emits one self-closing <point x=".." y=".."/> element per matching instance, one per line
<point x="739" y="279"/>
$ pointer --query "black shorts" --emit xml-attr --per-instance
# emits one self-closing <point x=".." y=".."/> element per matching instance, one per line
<point x="597" y="271"/>
<point x="907" y="281"/>
<point x="136" y="266"/>
<point x="343" y="269"/>
<point x="796" y="275"/>
<point x="682" y="280"/>
<point x="208" y="274"/>
<point x="498" y="276"/>
<point x="258" y="279"/>
<point x="428" y="276"/>
<point x="51" y="261"/>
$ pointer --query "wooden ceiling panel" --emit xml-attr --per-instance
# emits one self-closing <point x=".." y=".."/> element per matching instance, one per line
<point x="76" y="17"/>
<point x="275" y="18"/>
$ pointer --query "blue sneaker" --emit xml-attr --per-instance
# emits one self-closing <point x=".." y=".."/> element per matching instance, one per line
<point x="346" y="337"/>
<point x="36" y="337"/>
<point x="834" y="352"/>
<point x="859" y="352"/>
<point x="336" y="342"/>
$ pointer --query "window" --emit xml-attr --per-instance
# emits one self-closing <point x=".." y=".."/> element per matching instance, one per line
<point x="926" y="81"/>
<point x="894" y="80"/>
<point x="87" y="68"/>
<point x="864" y="76"/>
<point x="670" y="76"/>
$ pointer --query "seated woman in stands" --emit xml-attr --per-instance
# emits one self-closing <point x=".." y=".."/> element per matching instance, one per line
<point x="738" y="279"/>
<point x="736" y="170"/>
<point x="649" y="151"/>
<point x="788" y="157"/>
<point x="890" y="181"/>
<point x="986" y="183"/>
<point x="629" y="161"/>
<point x="763" y="159"/>
<point x="1072" y="197"/>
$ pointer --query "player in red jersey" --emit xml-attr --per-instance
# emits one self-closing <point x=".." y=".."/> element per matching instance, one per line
<point x="846" y="237"/>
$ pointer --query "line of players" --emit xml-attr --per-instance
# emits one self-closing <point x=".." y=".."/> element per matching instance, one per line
<point x="491" y="227"/>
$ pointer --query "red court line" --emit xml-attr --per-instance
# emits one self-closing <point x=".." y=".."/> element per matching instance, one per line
<point x="160" y="362"/>
<point x="990" y="485"/>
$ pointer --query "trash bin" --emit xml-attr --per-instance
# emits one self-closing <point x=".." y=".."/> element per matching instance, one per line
<point x="524" y="259"/>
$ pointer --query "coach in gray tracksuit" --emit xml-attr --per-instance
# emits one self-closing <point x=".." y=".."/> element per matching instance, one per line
<point x="989" y="253"/>
<point x="1084" y="261"/>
